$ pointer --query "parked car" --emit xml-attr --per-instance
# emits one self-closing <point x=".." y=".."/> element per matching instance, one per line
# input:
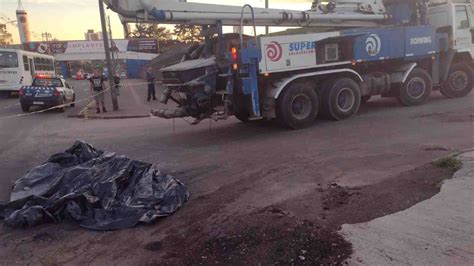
<point x="47" y="91"/>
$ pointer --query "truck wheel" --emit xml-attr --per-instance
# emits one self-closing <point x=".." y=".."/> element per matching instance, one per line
<point x="365" y="99"/>
<point x="459" y="82"/>
<point x="297" y="106"/>
<point x="417" y="88"/>
<point x="25" y="108"/>
<point x="341" y="99"/>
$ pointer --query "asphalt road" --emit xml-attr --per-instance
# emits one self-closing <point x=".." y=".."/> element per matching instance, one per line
<point x="274" y="165"/>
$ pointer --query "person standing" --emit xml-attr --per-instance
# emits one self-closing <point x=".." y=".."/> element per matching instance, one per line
<point x="150" y="78"/>
<point x="117" y="83"/>
<point x="97" y="89"/>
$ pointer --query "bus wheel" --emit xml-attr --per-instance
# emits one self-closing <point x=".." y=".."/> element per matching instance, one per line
<point x="417" y="88"/>
<point x="25" y="108"/>
<point x="297" y="106"/>
<point x="459" y="82"/>
<point x="341" y="99"/>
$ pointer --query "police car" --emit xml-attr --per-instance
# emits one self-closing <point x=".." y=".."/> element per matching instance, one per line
<point x="47" y="91"/>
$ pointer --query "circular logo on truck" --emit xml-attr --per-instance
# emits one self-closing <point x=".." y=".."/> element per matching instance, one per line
<point x="274" y="51"/>
<point x="373" y="45"/>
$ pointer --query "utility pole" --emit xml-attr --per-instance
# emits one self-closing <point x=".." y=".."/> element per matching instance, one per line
<point x="45" y="36"/>
<point x="111" y="42"/>
<point x="266" y="27"/>
<point x="107" y="56"/>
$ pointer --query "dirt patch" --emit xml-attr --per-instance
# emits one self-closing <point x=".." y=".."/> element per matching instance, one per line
<point x="454" y="117"/>
<point x="361" y="204"/>
<point x="273" y="235"/>
<point x="269" y="237"/>
<point x="434" y="147"/>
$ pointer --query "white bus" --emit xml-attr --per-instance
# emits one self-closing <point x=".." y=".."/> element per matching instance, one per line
<point x="18" y="68"/>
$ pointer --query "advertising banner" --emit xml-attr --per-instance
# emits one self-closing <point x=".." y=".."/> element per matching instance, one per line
<point x="81" y="47"/>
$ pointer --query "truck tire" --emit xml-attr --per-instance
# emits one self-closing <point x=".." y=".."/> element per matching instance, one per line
<point x="25" y="108"/>
<point x="297" y="106"/>
<point x="340" y="99"/>
<point x="459" y="82"/>
<point x="416" y="89"/>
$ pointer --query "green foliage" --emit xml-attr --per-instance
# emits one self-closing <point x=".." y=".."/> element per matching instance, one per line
<point x="451" y="163"/>
<point x="143" y="30"/>
<point x="188" y="33"/>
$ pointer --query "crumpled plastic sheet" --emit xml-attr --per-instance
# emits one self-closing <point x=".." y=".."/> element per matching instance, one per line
<point x="97" y="189"/>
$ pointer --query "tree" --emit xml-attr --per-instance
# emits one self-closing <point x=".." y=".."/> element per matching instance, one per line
<point x="143" y="30"/>
<point x="188" y="33"/>
<point x="5" y="36"/>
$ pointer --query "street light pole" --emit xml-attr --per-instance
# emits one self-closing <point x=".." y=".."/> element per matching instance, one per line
<point x="105" y="37"/>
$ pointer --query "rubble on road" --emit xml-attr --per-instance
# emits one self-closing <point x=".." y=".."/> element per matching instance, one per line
<point x="97" y="189"/>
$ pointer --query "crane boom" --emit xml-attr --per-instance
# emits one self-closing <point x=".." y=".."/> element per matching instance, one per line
<point x="334" y="12"/>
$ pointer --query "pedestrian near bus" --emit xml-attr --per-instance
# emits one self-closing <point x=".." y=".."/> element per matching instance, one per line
<point x="97" y="89"/>
<point x="150" y="78"/>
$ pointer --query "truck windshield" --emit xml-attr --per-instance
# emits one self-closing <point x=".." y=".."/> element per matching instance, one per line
<point x="8" y="59"/>
<point x="47" y="82"/>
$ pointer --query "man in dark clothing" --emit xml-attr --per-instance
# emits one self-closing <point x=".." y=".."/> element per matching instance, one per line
<point x="150" y="78"/>
<point x="117" y="83"/>
<point x="97" y="89"/>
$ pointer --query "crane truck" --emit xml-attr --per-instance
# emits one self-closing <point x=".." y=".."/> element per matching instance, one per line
<point x="361" y="48"/>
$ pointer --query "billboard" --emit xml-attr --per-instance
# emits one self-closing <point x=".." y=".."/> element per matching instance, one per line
<point x="81" y="47"/>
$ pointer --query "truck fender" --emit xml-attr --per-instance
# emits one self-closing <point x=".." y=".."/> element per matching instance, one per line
<point x="278" y="88"/>
<point x="401" y="74"/>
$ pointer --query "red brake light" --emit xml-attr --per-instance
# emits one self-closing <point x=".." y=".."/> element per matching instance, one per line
<point x="234" y="54"/>
<point x="43" y="76"/>
<point x="21" y="92"/>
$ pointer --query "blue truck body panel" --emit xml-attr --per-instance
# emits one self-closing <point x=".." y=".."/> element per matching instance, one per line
<point x="389" y="43"/>
<point x="249" y="58"/>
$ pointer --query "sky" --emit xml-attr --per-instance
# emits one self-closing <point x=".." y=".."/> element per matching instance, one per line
<point x="70" y="19"/>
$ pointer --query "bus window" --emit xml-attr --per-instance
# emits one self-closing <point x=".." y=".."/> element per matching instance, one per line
<point x="36" y="61"/>
<point x="42" y="64"/>
<point x="8" y="59"/>
<point x="26" y="64"/>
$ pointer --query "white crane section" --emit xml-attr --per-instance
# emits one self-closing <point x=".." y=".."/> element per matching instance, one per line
<point x="334" y="12"/>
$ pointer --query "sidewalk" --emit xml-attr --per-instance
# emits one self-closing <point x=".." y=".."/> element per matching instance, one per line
<point x="132" y="103"/>
<point x="438" y="231"/>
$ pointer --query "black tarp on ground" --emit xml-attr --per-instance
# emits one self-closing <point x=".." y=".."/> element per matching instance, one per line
<point x="99" y="190"/>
